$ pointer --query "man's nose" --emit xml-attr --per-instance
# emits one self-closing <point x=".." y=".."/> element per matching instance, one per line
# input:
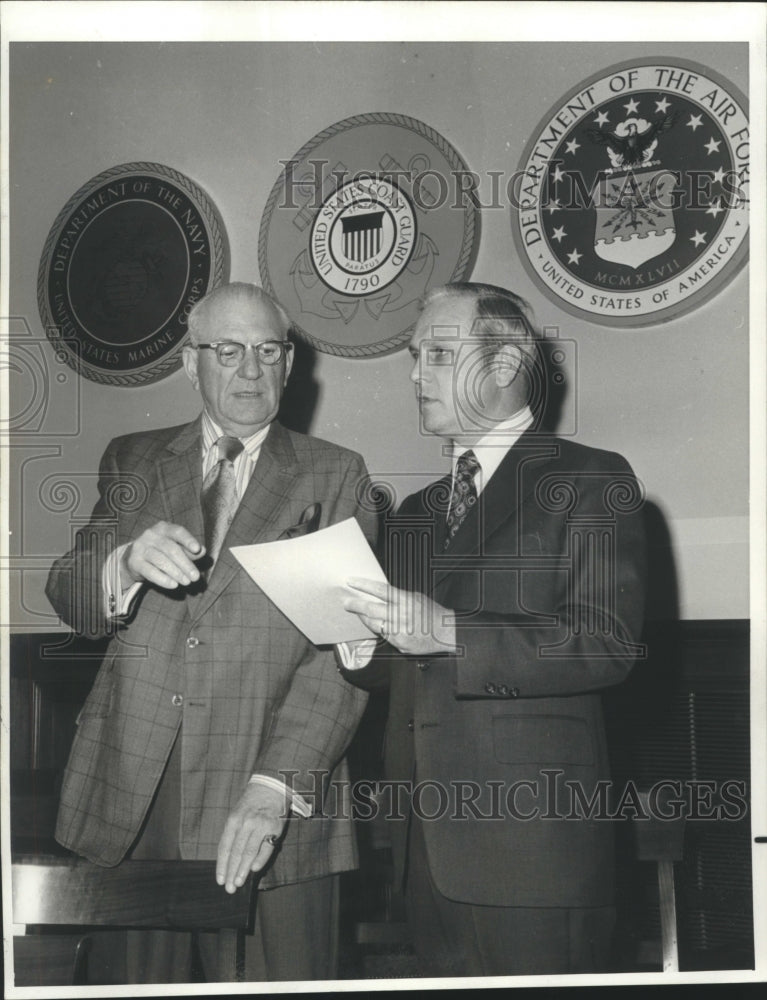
<point x="416" y="372"/>
<point x="250" y="366"/>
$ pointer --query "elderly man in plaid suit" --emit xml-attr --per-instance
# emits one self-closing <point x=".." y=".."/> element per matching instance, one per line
<point x="212" y="714"/>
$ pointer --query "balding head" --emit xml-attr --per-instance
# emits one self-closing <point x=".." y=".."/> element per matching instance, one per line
<point x="237" y="294"/>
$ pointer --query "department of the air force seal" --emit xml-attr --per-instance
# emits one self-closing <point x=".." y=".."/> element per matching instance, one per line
<point x="366" y="217"/>
<point x="632" y="201"/>
<point x="126" y="259"/>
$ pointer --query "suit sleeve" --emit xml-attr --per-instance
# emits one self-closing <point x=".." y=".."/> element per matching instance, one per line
<point x="375" y="676"/>
<point x="314" y="723"/>
<point x="588" y="637"/>
<point x="74" y="585"/>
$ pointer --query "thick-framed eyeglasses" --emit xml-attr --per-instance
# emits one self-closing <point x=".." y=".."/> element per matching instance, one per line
<point x="231" y="353"/>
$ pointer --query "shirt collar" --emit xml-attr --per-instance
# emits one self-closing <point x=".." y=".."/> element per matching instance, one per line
<point x="211" y="432"/>
<point x="491" y="449"/>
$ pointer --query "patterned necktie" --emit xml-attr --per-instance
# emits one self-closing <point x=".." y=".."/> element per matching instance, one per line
<point x="219" y="496"/>
<point x="464" y="493"/>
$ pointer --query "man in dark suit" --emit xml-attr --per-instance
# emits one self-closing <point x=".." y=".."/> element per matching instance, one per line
<point x="517" y="597"/>
<point x="211" y="711"/>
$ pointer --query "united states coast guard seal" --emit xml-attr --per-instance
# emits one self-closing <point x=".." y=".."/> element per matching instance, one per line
<point x="632" y="206"/>
<point x="363" y="237"/>
<point x="364" y="219"/>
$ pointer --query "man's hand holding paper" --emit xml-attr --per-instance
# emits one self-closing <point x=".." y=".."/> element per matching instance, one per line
<point x="413" y="623"/>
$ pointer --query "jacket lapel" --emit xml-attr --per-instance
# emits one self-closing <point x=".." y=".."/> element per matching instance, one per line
<point x="500" y="499"/>
<point x="269" y="490"/>
<point x="180" y="477"/>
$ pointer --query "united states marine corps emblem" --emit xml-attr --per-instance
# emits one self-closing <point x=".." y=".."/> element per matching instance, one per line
<point x="363" y="220"/>
<point x="126" y="259"/>
<point x="632" y="199"/>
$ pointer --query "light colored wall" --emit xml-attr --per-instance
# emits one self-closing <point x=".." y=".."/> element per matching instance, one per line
<point x="672" y="398"/>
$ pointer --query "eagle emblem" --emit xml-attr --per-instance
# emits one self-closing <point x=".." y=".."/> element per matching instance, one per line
<point x="633" y="142"/>
<point x="634" y="201"/>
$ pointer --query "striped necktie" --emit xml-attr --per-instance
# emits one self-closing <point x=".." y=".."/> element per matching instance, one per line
<point x="219" y="495"/>
<point x="464" y="494"/>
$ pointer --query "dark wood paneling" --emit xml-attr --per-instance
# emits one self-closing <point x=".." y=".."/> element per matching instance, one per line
<point x="50" y="677"/>
<point x="683" y="714"/>
<point x="50" y="959"/>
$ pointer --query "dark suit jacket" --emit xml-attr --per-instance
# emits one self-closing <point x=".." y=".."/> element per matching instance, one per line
<point x="253" y="693"/>
<point x="547" y="576"/>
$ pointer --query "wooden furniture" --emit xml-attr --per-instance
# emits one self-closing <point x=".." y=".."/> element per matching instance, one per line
<point x="662" y="841"/>
<point x="682" y="715"/>
<point x="56" y="892"/>
<point x="51" y="675"/>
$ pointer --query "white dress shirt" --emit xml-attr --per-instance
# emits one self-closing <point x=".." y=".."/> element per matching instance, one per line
<point x="491" y="449"/>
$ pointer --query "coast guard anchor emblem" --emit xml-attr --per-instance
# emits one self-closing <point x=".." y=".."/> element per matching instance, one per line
<point x="633" y="201"/>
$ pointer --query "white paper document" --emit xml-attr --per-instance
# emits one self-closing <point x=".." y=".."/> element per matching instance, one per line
<point x="306" y="578"/>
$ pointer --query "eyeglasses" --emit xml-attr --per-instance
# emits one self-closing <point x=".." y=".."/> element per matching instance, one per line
<point x="231" y="353"/>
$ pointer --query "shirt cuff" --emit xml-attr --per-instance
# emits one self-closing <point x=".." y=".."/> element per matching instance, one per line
<point x="116" y="601"/>
<point x="356" y="655"/>
<point x="298" y="805"/>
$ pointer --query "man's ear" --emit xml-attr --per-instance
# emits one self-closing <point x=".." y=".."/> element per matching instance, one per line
<point x="190" y="356"/>
<point x="288" y="364"/>
<point x="508" y="362"/>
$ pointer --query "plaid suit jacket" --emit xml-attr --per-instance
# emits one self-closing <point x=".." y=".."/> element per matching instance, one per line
<point x="253" y="693"/>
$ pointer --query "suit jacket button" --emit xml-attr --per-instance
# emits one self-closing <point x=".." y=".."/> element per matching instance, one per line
<point x="423" y="664"/>
<point x="192" y="641"/>
<point x="514" y="692"/>
<point x="177" y="700"/>
<point x="490" y="687"/>
<point x="411" y="725"/>
<point x="503" y="690"/>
